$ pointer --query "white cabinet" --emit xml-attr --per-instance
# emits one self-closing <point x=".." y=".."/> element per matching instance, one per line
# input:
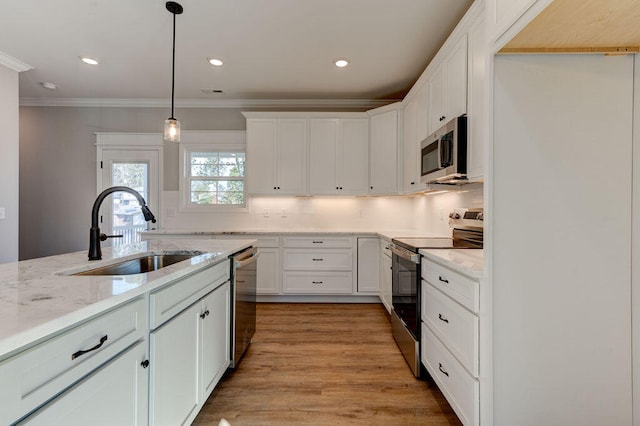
<point x="190" y="351"/>
<point x="49" y="368"/>
<point x="276" y="156"/>
<point x="338" y="156"/>
<point x="317" y="265"/>
<point x="215" y="338"/>
<point x="476" y="115"/>
<point x="368" y="265"/>
<point x="383" y="151"/>
<point x="385" y="274"/>
<point x="448" y="87"/>
<point x="450" y="336"/>
<point x="174" y="369"/>
<point x="114" y="394"/>
<point x="415" y="130"/>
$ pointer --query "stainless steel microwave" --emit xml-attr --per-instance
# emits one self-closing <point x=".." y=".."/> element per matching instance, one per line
<point x="444" y="154"/>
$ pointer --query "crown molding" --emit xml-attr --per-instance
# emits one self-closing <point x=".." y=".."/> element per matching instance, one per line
<point x="13" y="63"/>
<point x="207" y="103"/>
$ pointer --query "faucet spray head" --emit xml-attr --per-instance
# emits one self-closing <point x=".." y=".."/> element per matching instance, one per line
<point x="148" y="216"/>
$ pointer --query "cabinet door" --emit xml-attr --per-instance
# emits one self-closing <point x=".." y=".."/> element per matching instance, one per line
<point x="368" y="265"/>
<point x="385" y="280"/>
<point x="456" y="81"/>
<point x="261" y="156"/>
<point x="292" y="157"/>
<point x="437" y="99"/>
<point x="174" y="369"/>
<point x="476" y="119"/>
<point x="383" y="166"/>
<point x="353" y="156"/>
<point x="409" y="164"/>
<point x="269" y="270"/>
<point x="323" y="140"/>
<point x="115" y="394"/>
<point x="215" y="338"/>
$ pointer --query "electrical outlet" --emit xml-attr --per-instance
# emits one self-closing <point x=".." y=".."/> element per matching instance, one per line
<point x="265" y="213"/>
<point x="441" y="214"/>
<point x="283" y="212"/>
<point x="171" y="212"/>
<point x="3" y="214"/>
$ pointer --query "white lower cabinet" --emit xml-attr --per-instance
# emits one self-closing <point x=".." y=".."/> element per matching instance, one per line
<point x="461" y="390"/>
<point x="450" y="336"/>
<point x="189" y="354"/>
<point x="115" y="394"/>
<point x="368" y="265"/>
<point x="385" y="275"/>
<point x="318" y="265"/>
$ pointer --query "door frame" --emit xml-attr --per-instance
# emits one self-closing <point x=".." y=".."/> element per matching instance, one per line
<point x="152" y="142"/>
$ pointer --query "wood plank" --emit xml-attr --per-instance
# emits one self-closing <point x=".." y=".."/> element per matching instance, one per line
<point x="324" y="364"/>
<point x="581" y="26"/>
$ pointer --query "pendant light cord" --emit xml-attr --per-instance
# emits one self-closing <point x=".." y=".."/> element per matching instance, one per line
<point x="173" y="65"/>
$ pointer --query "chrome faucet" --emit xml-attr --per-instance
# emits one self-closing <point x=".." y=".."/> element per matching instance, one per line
<point x="95" y="253"/>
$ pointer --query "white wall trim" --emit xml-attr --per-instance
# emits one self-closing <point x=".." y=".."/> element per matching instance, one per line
<point x="128" y="139"/>
<point x="206" y="103"/>
<point x="13" y="63"/>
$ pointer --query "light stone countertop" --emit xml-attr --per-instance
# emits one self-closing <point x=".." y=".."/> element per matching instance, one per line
<point x="469" y="262"/>
<point x="38" y="299"/>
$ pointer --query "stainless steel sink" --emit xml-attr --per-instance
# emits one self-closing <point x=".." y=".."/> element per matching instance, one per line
<point x="140" y="265"/>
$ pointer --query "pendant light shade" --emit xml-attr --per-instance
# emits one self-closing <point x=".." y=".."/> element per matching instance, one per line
<point x="171" y="124"/>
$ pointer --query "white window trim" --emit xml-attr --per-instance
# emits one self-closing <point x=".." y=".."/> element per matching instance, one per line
<point x="218" y="141"/>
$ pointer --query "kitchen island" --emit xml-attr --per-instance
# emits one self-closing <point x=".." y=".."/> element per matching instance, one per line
<point x="52" y="325"/>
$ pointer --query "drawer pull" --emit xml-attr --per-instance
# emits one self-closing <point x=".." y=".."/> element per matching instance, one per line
<point x="443" y="319"/>
<point x="145" y="363"/>
<point x="204" y="314"/>
<point x="317" y="282"/>
<point x="444" y="280"/>
<point x="317" y="260"/>
<point x="442" y="370"/>
<point x="98" y="346"/>
<point x="317" y="242"/>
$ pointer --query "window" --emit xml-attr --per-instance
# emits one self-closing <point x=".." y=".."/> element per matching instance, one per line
<point x="212" y="170"/>
<point x="216" y="178"/>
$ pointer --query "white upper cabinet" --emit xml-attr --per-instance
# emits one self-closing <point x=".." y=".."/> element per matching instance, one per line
<point x="448" y="87"/>
<point x="276" y="156"/>
<point x="415" y="130"/>
<point x="338" y="156"/>
<point x="383" y="152"/>
<point x="476" y="114"/>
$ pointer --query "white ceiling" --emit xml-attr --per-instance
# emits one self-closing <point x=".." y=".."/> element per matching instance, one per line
<point x="273" y="49"/>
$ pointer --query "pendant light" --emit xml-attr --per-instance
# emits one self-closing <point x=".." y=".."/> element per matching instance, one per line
<point x="171" y="125"/>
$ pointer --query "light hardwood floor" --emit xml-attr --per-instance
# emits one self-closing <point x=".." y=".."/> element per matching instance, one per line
<point x="324" y="364"/>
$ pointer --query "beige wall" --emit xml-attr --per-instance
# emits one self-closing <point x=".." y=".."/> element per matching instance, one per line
<point x="9" y="147"/>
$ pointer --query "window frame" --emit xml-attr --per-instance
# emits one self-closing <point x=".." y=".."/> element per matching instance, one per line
<point x="213" y="141"/>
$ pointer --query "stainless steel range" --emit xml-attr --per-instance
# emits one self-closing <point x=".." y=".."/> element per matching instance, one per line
<point x="405" y="296"/>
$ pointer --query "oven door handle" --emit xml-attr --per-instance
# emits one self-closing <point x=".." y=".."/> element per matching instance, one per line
<point x="405" y="254"/>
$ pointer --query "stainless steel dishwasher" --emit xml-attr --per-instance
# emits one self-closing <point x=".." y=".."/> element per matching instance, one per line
<point x="243" y="301"/>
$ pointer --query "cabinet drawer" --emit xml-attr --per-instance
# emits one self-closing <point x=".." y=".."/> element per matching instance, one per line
<point x="319" y="283"/>
<point x="463" y="290"/>
<point x="168" y="301"/>
<point x="456" y="327"/>
<point x="38" y="374"/>
<point x="456" y="384"/>
<point x="318" y="242"/>
<point x="272" y="241"/>
<point x="318" y="260"/>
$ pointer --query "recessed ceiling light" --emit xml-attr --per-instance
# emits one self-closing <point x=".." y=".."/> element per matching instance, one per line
<point x="341" y="62"/>
<point x="48" y="85"/>
<point x="215" y="61"/>
<point x="88" y="60"/>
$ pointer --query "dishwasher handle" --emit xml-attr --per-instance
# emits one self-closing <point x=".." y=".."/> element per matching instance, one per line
<point x="245" y="258"/>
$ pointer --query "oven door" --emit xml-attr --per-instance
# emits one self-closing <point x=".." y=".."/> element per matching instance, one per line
<point x="404" y="288"/>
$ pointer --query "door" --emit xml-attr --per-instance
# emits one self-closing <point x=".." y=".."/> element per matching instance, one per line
<point x="120" y="213"/>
